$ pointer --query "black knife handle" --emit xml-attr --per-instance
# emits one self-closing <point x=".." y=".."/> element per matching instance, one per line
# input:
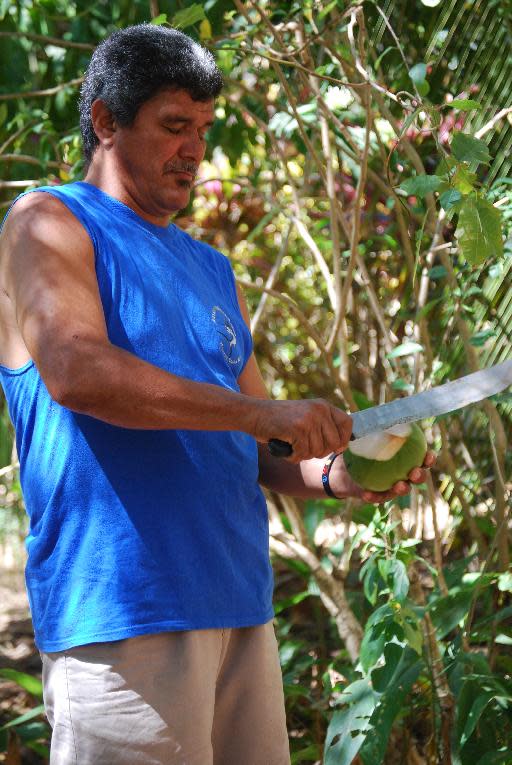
<point x="279" y="448"/>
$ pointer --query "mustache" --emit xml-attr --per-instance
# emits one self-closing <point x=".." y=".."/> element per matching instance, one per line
<point x="181" y="167"/>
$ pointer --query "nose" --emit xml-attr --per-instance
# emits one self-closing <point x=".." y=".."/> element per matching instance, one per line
<point x="193" y="147"/>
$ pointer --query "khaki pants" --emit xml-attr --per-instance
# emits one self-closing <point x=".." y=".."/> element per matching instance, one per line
<point x="201" y="697"/>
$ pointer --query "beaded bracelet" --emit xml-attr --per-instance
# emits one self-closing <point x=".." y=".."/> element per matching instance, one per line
<point x="325" y="475"/>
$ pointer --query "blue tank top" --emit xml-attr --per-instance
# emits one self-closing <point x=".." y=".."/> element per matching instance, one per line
<point x="138" y="531"/>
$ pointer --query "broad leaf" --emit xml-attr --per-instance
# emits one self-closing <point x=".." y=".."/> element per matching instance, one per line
<point x="449" y="198"/>
<point x="159" y="20"/>
<point x="35" y="712"/>
<point x="418" y="73"/>
<point x="465" y="104"/>
<point x="464" y="180"/>
<point x="346" y="731"/>
<point x="188" y="16"/>
<point x="421" y="185"/>
<point x="467" y="148"/>
<point x="479" y="231"/>
<point x="400" y="579"/>
<point x="31" y="684"/>
<point x="405" y="349"/>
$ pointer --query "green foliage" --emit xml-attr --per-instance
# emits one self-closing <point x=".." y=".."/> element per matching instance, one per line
<point x="396" y="660"/>
<point x="30" y="728"/>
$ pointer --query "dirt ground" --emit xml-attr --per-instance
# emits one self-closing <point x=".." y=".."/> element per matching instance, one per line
<point x="17" y="651"/>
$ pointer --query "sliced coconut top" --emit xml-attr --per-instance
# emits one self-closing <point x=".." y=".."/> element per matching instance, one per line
<point x="382" y="445"/>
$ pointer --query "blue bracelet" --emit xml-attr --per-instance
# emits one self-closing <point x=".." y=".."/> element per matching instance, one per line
<point x="325" y="475"/>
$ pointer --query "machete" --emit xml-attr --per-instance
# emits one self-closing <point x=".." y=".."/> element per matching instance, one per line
<point x="453" y="395"/>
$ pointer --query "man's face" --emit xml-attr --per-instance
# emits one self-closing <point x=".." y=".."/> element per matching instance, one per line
<point x="159" y="155"/>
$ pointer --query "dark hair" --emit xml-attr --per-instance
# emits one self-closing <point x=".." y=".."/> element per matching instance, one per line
<point x="131" y="65"/>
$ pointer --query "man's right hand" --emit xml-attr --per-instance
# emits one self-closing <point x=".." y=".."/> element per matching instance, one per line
<point x="312" y="427"/>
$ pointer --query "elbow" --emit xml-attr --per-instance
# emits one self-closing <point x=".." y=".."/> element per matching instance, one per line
<point x="68" y="381"/>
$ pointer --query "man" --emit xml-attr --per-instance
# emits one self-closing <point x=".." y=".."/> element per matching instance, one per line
<point x="142" y="425"/>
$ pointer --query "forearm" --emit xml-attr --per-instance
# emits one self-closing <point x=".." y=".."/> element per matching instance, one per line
<point x="113" y="385"/>
<point x="304" y="480"/>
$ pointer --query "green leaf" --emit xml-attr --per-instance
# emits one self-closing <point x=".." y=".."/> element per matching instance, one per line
<point x="188" y="16"/>
<point x="398" y="571"/>
<point x="158" y="20"/>
<point x="382" y="676"/>
<point x="31" y="684"/>
<point x="4" y="111"/>
<point x="413" y="636"/>
<point x="423" y="88"/>
<point x="463" y="180"/>
<point x="291" y="601"/>
<point x="479" y="231"/>
<point x="421" y="185"/>
<point x="402" y="385"/>
<point x="437" y="272"/>
<point x="475" y="712"/>
<point x="405" y="349"/>
<point x="309" y="754"/>
<point x="327" y="9"/>
<point x="35" y="712"/>
<point x="346" y="731"/>
<point x="391" y="703"/>
<point x="465" y="104"/>
<point x="480" y="338"/>
<point x="372" y="646"/>
<point x="418" y="73"/>
<point x="449" y="198"/>
<point x="467" y="148"/>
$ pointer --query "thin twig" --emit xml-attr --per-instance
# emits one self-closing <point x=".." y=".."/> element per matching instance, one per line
<point x="9" y="469"/>
<point x="489" y="125"/>
<point x="30" y="160"/>
<point x="39" y="93"/>
<point x="56" y="41"/>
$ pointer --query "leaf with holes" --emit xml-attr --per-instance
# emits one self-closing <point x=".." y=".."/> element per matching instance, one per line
<point x="348" y="726"/>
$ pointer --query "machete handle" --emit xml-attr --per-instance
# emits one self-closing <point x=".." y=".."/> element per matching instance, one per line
<point x="278" y="448"/>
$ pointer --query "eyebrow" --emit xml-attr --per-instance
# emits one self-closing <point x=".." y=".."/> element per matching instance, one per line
<point x="183" y="120"/>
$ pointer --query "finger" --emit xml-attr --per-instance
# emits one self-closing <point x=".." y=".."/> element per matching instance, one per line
<point x="417" y="475"/>
<point x="430" y="459"/>
<point x="377" y="496"/>
<point x="330" y="438"/>
<point x="343" y="424"/>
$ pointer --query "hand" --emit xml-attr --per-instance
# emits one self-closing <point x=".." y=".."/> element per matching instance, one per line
<point x="313" y="427"/>
<point x="349" y="488"/>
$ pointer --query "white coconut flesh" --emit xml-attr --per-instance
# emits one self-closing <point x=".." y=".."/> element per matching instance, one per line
<point x="383" y="445"/>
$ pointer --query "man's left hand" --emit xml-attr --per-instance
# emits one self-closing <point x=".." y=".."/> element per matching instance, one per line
<point x="399" y="489"/>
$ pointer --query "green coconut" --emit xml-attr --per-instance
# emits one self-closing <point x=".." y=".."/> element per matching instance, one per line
<point x="379" y="460"/>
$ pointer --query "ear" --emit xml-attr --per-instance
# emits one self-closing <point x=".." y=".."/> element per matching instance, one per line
<point x="103" y="122"/>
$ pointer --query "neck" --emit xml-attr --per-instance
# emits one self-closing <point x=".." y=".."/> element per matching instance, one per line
<point x="101" y="174"/>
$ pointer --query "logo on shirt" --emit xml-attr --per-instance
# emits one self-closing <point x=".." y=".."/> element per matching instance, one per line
<point x="227" y="335"/>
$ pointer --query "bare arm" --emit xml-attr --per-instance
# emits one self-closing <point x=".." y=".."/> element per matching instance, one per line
<point x="48" y="264"/>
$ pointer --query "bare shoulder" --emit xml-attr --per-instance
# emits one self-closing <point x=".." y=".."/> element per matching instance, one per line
<point x="40" y="240"/>
<point x="37" y="215"/>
